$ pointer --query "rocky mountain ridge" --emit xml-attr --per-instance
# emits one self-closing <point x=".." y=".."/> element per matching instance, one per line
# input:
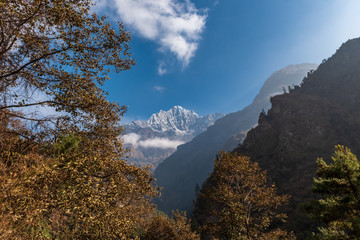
<point x="153" y="140"/>
<point x="177" y="119"/>
<point x="301" y="126"/>
<point x="191" y="164"/>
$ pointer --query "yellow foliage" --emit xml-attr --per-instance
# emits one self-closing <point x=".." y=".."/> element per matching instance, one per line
<point x="244" y="205"/>
<point x="63" y="176"/>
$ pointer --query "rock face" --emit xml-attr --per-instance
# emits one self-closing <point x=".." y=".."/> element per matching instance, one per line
<point x="305" y="124"/>
<point x="153" y="140"/>
<point x="192" y="163"/>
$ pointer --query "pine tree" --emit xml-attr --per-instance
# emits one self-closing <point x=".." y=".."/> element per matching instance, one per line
<point x="339" y="185"/>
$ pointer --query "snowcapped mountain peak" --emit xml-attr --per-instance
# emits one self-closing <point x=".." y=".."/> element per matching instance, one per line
<point x="155" y="139"/>
<point x="177" y="119"/>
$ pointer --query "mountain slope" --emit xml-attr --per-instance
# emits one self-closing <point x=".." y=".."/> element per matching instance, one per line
<point x="192" y="162"/>
<point x="305" y="124"/>
<point x="153" y="140"/>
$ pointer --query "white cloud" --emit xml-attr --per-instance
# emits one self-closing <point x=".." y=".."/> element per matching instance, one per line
<point x="176" y="25"/>
<point x="161" y="68"/>
<point x="163" y="143"/>
<point x="99" y="5"/>
<point x="31" y="96"/>
<point x="132" y="139"/>
<point x="159" y="88"/>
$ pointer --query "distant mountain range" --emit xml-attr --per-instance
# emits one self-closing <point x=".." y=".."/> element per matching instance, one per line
<point x="192" y="163"/>
<point x="301" y="126"/>
<point x="153" y="140"/>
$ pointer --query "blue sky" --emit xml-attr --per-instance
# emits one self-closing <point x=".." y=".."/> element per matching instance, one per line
<point x="214" y="55"/>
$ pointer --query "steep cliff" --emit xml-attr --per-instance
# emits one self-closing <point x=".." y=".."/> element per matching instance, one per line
<point x="303" y="125"/>
<point x="192" y="163"/>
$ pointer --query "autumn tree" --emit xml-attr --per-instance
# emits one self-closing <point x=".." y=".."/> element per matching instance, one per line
<point x="62" y="175"/>
<point x="339" y="185"/>
<point x="57" y="54"/>
<point x="176" y="227"/>
<point x="244" y="206"/>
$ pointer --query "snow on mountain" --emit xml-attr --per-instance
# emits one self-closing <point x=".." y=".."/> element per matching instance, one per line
<point x="153" y="140"/>
<point x="177" y="119"/>
<point x="192" y="162"/>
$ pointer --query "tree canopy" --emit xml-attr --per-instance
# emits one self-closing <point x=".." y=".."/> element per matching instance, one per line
<point x="244" y="205"/>
<point x="63" y="175"/>
<point x="57" y="54"/>
<point x="338" y="183"/>
<point x="177" y="227"/>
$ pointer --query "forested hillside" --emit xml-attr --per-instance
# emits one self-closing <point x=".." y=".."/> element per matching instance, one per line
<point x="192" y="163"/>
<point x="62" y="168"/>
<point x="303" y="125"/>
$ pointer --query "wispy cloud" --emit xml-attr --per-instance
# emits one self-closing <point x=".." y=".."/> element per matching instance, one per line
<point x="176" y="25"/>
<point x="163" y="143"/>
<point x="31" y="96"/>
<point x="132" y="139"/>
<point x="159" y="88"/>
<point x="161" y="68"/>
